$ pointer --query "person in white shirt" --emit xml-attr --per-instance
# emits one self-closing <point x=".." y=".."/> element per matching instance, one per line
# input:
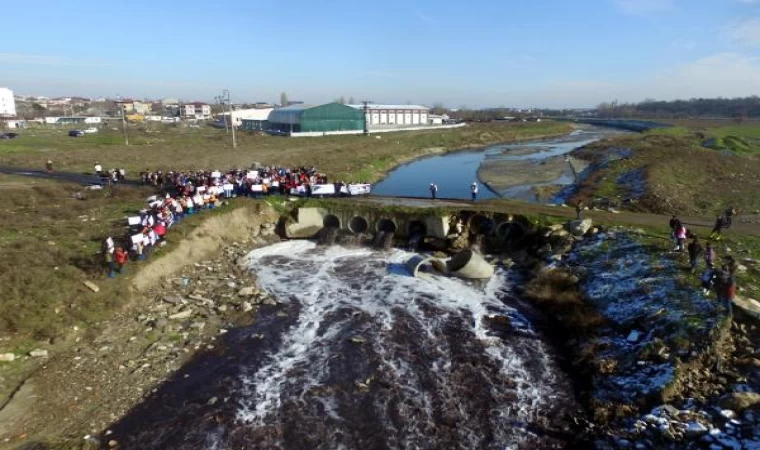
<point x="433" y="190"/>
<point x="98" y="168"/>
<point x="474" y="190"/>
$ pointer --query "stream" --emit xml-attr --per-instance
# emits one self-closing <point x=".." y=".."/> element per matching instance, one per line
<point x="523" y="164"/>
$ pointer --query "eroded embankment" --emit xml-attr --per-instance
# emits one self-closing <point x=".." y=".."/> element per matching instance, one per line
<point x="206" y="240"/>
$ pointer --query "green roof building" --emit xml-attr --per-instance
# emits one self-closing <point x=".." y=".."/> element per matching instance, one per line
<point x="316" y="119"/>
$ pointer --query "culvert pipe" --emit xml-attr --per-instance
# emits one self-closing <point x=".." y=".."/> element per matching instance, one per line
<point x="423" y="263"/>
<point x="470" y="265"/>
<point x="358" y="225"/>
<point x="386" y="226"/>
<point x="331" y="221"/>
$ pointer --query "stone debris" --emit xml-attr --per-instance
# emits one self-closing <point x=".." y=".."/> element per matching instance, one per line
<point x="7" y="357"/>
<point x="38" y="353"/>
<point x="91" y="286"/>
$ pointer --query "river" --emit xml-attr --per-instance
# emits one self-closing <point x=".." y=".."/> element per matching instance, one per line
<point x="361" y="355"/>
<point x="454" y="172"/>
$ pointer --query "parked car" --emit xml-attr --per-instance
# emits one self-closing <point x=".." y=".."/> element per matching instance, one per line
<point x="91" y="130"/>
<point x="76" y="133"/>
<point x="8" y="135"/>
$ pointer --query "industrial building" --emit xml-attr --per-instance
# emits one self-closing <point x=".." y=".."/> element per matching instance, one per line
<point x="253" y="119"/>
<point x="394" y="115"/>
<point x="329" y="118"/>
<point x="7" y="103"/>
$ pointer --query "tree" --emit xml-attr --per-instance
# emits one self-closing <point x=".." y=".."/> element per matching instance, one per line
<point x="342" y="100"/>
<point x="283" y="99"/>
<point x="438" y="109"/>
<point x="351" y="100"/>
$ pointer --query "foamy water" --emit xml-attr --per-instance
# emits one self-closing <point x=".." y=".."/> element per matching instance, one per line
<point x="375" y="357"/>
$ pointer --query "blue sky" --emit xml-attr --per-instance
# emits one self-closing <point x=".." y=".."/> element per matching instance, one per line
<point x="460" y="53"/>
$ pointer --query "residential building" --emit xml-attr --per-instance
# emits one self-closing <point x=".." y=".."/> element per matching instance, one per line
<point x="7" y="103"/>
<point x="133" y="106"/>
<point x="196" y="110"/>
<point x="394" y="115"/>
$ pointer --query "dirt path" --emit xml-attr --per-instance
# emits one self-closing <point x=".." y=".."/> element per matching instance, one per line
<point x="71" y="177"/>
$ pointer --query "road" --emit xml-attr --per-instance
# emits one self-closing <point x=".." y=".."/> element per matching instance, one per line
<point x="511" y="206"/>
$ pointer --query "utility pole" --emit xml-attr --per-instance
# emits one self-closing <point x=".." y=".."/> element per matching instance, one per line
<point x="226" y="94"/>
<point x="366" y="117"/>
<point x="124" y="125"/>
<point x="219" y="100"/>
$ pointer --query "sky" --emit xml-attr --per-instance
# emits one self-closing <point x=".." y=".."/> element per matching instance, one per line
<point x="477" y="53"/>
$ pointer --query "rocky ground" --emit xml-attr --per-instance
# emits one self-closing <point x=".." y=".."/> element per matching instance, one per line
<point x="99" y="380"/>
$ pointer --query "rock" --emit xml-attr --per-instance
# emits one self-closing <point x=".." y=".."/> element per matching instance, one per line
<point x="633" y="337"/>
<point x="199" y="325"/>
<point x="161" y="323"/>
<point x="7" y="357"/>
<point x="91" y="286"/>
<point x="579" y="227"/>
<point x="247" y="306"/>
<point x="247" y="292"/>
<point x="695" y="430"/>
<point x="174" y="299"/>
<point x="741" y="268"/>
<point x="113" y="443"/>
<point x="212" y="401"/>
<point x="358" y="340"/>
<point x="184" y="314"/>
<point x="739" y="401"/>
<point x="38" y="353"/>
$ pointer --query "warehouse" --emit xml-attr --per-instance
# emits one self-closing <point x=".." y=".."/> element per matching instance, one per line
<point x="394" y="115"/>
<point x="329" y="118"/>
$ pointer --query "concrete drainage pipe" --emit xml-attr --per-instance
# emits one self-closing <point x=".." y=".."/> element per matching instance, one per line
<point x="470" y="265"/>
<point x="425" y="264"/>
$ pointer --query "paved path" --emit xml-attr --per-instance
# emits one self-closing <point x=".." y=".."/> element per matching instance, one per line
<point x="701" y="225"/>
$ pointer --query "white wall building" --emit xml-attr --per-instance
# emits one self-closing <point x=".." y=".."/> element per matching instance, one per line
<point x="7" y="103"/>
<point x="238" y="115"/>
<point x="395" y="115"/>
<point x="196" y="110"/>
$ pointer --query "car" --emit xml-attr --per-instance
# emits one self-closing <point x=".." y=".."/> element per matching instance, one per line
<point x="91" y="130"/>
<point x="8" y="135"/>
<point x="76" y="133"/>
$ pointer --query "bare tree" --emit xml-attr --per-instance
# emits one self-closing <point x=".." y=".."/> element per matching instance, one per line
<point x="351" y="100"/>
<point x="283" y="99"/>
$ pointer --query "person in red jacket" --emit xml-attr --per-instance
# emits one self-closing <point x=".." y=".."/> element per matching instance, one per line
<point x="120" y="258"/>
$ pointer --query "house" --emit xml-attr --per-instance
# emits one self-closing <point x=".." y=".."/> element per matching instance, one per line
<point x="7" y="103"/>
<point x="196" y="110"/>
<point x="256" y="117"/>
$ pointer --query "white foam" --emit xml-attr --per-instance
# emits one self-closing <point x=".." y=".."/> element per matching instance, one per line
<point x="376" y="285"/>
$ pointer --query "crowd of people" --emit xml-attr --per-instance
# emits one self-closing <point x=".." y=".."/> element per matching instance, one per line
<point x="255" y="182"/>
<point x="185" y="193"/>
<point x="720" y="278"/>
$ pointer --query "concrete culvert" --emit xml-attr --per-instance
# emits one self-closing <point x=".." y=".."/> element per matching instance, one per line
<point x="331" y="221"/>
<point x="358" y="225"/>
<point x="417" y="227"/>
<point x="480" y="224"/>
<point x="470" y="265"/>
<point x="386" y="226"/>
<point x="424" y="264"/>
<point x="510" y="230"/>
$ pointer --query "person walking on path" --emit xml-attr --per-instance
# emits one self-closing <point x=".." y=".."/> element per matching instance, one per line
<point x="578" y="209"/>
<point x="726" y="288"/>
<point x="120" y="258"/>
<point x="730" y="213"/>
<point x="98" y="169"/>
<point x="719" y="225"/>
<point x="695" y="251"/>
<point x="680" y="238"/>
<point x="474" y="190"/>
<point x="675" y="224"/>
<point x="49" y="166"/>
<point x="710" y="256"/>
<point x="108" y="254"/>
<point x="433" y="190"/>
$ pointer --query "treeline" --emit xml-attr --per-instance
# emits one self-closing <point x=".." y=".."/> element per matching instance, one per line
<point x="737" y="108"/>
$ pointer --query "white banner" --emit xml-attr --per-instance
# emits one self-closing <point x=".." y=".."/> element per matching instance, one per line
<point x="216" y="174"/>
<point x="257" y="188"/>
<point x="228" y="187"/>
<point x="359" y="189"/>
<point x="200" y="189"/>
<point x="298" y="190"/>
<point x="137" y="238"/>
<point x="323" y="189"/>
<point x="134" y="220"/>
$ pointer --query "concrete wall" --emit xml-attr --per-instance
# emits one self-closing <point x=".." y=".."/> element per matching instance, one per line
<point x="376" y="129"/>
<point x="309" y="221"/>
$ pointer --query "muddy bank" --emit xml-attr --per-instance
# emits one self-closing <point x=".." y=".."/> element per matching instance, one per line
<point x="502" y="175"/>
<point x="186" y="299"/>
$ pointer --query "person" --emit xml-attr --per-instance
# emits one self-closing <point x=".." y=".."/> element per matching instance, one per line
<point x="674" y="223"/>
<point x="433" y="190"/>
<point x="474" y="190"/>
<point x="120" y="258"/>
<point x="709" y="256"/>
<point x="108" y="251"/>
<point x="708" y="280"/>
<point x="730" y="212"/>
<point x="726" y="288"/>
<point x="578" y="209"/>
<point x="695" y="251"/>
<point x="719" y="225"/>
<point x="680" y="238"/>
<point x="49" y="166"/>
<point x="98" y="168"/>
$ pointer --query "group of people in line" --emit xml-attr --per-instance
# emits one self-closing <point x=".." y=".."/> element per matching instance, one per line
<point x="718" y="277"/>
<point x="187" y="193"/>
<point x="254" y="182"/>
<point x="473" y="191"/>
<point x="112" y="176"/>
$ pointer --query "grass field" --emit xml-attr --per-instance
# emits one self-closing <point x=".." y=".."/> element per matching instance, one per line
<point x="723" y="135"/>
<point x="350" y="158"/>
